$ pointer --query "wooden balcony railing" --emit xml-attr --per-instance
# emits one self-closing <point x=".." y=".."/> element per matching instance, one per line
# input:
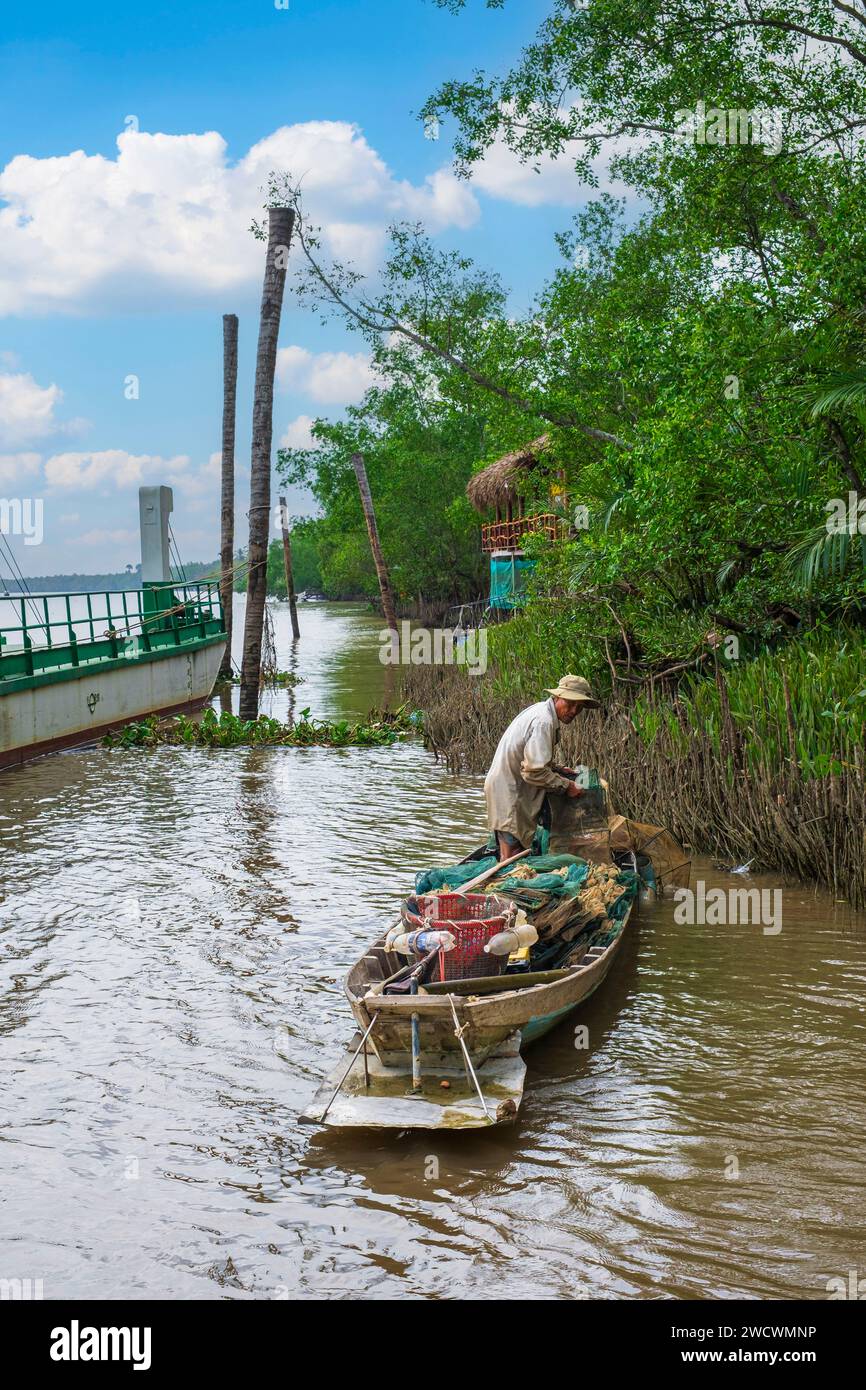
<point x="506" y="535"/>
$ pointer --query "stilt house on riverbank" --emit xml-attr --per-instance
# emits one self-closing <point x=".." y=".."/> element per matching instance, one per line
<point x="499" y="493"/>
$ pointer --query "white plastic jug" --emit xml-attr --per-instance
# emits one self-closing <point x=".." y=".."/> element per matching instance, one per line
<point x="512" y="939"/>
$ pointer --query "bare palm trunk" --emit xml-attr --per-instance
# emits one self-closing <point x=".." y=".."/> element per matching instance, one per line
<point x="287" y="560"/>
<point x="227" y="542"/>
<point x="373" y="532"/>
<point x="280" y="223"/>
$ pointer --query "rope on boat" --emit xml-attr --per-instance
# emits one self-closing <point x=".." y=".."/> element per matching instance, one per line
<point x="458" y="1033"/>
<point x="145" y="620"/>
<point x="348" y="1069"/>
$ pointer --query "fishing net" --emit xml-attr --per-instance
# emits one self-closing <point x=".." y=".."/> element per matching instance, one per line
<point x="558" y="874"/>
<point x="574" y="821"/>
<point x="269" y="668"/>
<point x="569" y="901"/>
<point x="649" y="844"/>
<point x="582" y="876"/>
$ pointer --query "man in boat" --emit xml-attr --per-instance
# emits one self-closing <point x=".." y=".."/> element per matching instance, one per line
<point x="523" y="772"/>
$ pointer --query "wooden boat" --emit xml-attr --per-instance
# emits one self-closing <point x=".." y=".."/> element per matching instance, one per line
<point x="468" y="1037"/>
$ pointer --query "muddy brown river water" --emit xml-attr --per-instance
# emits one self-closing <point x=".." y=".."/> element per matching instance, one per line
<point x="174" y="927"/>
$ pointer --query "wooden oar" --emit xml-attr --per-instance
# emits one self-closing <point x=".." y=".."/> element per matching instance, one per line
<point x="491" y="873"/>
<point x="494" y="984"/>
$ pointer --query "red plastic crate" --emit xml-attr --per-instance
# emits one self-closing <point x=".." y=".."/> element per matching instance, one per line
<point x="474" y="920"/>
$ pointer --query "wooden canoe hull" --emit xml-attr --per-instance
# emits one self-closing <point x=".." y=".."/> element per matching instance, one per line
<point x="494" y="1018"/>
<point x="486" y="1020"/>
<point x="541" y="1024"/>
<point x="374" y="1091"/>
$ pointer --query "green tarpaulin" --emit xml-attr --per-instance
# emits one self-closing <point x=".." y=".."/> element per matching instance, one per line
<point x="508" y="576"/>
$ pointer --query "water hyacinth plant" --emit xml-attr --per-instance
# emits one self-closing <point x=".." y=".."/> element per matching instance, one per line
<point x="226" y="730"/>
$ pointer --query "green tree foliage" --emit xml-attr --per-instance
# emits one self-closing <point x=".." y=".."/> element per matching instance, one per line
<point x="305" y="559"/>
<point x="697" y="359"/>
<point x="419" y="452"/>
<point x="305" y="537"/>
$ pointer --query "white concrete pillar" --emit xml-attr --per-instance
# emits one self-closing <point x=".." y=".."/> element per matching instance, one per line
<point x="155" y="505"/>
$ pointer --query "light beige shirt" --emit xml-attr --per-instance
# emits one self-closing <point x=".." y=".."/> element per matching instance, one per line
<point x="521" y="772"/>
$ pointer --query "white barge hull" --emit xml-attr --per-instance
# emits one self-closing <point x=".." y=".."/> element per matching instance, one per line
<point x="70" y="711"/>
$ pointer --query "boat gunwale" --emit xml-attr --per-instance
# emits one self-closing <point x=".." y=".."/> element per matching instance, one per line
<point x="468" y="1004"/>
<point x="102" y="665"/>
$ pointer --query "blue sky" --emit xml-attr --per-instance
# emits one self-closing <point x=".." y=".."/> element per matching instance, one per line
<point x="118" y="260"/>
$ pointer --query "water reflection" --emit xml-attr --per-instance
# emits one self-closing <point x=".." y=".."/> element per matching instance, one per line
<point x="337" y="658"/>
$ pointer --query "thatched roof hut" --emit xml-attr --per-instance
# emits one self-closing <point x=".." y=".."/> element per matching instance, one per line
<point x="496" y="485"/>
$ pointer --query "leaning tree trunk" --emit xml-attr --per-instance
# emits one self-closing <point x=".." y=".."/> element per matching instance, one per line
<point x="227" y="542"/>
<point x="280" y="224"/>
<point x="373" y="532"/>
<point x="290" y="576"/>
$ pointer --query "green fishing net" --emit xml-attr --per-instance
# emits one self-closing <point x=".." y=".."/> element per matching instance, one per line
<point x="544" y="880"/>
<point x="551" y="900"/>
<point x="454" y="876"/>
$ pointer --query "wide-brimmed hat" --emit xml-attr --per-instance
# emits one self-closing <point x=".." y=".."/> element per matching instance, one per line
<point x="577" y="689"/>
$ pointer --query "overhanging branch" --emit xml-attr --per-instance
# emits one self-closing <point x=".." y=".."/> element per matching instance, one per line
<point x="376" y="320"/>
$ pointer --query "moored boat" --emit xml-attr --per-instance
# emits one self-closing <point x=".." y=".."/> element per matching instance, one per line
<point x="75" y="666"/>
<point x="446" y="1053"/>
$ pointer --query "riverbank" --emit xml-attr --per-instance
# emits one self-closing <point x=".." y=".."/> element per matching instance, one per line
<point x="764" y="762"/>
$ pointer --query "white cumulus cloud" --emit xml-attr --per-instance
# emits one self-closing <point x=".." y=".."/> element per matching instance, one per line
<point x="298" y="434"/>
<point x="26" y="408"/>
<point x="117" y="466"/>
<point x="15" y="469"/>
<point x="193" y="485"/>
<point x="555" y="181"/>
<point x="334" y="378"/>
<point x="170" y="214"/>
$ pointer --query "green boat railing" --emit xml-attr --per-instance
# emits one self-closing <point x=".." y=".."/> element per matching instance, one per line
<point x="43" y="633"/>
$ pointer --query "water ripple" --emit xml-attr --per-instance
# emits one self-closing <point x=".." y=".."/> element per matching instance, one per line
<point x="174" y="928"/>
